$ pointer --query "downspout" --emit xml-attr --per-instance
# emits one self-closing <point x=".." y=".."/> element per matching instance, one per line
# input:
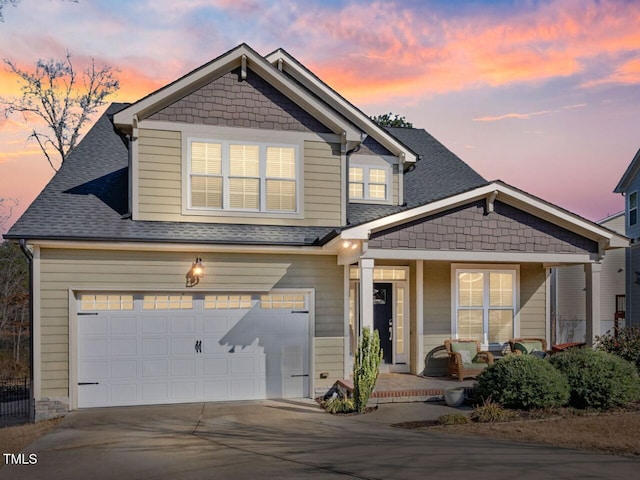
<point x="129" y="178"/>
<point x="32" y="402"/>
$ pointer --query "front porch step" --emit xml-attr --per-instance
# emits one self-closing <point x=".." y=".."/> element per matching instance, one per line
<point x="403" y="396"/>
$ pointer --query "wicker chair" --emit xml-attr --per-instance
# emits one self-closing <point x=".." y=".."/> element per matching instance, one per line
<point x="528" y="345"/>
<point x="459" y="367"/>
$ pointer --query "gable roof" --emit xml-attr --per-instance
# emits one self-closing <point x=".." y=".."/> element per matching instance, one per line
<point x="630" y="173"/>
<point x="291" y="66"/>
<point x="438" y="174"/>
<point x="504" y="193"/>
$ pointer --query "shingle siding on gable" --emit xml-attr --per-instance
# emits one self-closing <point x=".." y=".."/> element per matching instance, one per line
<point x="230" y="102"/>
<point x="372" y="147"/>
<point x="507" y="229"/>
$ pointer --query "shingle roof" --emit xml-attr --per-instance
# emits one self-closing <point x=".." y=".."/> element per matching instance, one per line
<point x="88" y="198"/>
<point x="438" y="174"/>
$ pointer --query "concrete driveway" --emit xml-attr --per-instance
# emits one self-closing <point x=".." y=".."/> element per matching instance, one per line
<point x="287" y="440"/>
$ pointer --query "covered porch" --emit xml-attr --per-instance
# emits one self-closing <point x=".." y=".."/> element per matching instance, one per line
<point x="475" y="266"/>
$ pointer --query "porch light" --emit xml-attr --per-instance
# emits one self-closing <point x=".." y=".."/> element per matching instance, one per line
<point x="348" y="244"/>
<point x="195" y="273"/>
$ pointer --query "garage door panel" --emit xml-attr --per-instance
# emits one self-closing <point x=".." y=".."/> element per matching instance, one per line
<point x="155" y="368"/>
<point x="183" y="325"/>
<point x="184" y="367"/>
<point x="155" y="392"/>
<point x="122" y="368"/>
<point x="149" y="356"/>
<point x="123" y="326"/>
<point x="151" y="325"/>
<point x="124" y="394"/>
<point x="94" y="369"/>
<point x="123" y="347"/>
<point x="155" y="346"/>
<point x="93" y="347"/>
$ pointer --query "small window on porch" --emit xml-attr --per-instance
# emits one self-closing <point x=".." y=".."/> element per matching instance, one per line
<point x="381" y="273"/>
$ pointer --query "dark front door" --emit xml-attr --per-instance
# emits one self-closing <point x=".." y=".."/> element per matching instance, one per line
<point x="383" y="318"/>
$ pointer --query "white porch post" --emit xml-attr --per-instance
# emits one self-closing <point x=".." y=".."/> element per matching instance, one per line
<point x="366" y="293"/>
<point x="592" y="280"/>
<point x="419" y="330"/>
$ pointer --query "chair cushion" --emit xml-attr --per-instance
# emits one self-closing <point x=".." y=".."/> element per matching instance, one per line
<point x="520" y="348"/>
<point x="465" y="347"/>
<point x="465" y="356"/>
<point x="532" y="346"/>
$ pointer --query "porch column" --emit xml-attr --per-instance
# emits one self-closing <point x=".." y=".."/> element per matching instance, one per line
<point x="592" y="280"/>
<point x="366" y="293"/>
<point x="419" y="329"/>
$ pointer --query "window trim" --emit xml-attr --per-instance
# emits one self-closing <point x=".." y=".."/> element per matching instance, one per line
<point x="225" y="141"/>
<point x="368" y="162"/>
<point x="485" y="268"/>
<point x="629" y="208"/>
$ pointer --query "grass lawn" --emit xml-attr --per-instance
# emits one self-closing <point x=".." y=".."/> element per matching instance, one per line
<point x="607" y="432"/>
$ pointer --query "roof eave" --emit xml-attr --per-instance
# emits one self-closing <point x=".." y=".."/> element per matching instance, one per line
<point x="343" y="106"/>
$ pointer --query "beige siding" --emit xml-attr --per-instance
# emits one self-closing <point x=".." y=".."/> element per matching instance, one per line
<point x="396" y="189"/>
<point x="329" y="358"/>
<point x="532" y="300"/>
<point x="160" y="183"/>
<point x="79" y="270"/>
<point x="437" y="304"/>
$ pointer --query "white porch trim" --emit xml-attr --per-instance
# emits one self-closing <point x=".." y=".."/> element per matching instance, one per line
<point x="467" y="256"/>
<point x="592" y="307"/>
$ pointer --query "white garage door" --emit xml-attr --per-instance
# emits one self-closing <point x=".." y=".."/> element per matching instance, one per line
<point x="151" y="349"/>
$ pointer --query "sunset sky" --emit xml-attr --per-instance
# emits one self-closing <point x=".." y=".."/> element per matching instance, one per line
<point x="544" y="95"/>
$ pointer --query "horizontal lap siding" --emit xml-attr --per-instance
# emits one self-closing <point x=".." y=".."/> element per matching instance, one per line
<point x="532" y="300"/>
<point x="329" y="358"/>
<point x="160" y="183"/>
<point x="85" y="270"/>
<point x="437" y="304"/>
<point x="159" y="173"/>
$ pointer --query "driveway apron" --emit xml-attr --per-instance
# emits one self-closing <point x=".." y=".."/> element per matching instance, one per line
<point x="287" y="440"/>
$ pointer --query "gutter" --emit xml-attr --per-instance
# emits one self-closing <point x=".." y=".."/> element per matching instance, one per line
<point x="32" y="403"/>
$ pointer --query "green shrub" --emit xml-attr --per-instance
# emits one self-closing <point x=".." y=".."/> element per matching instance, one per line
<point x="598" y="379"/>
<point x="340" y="405"/>
<point x="365" y="368"/>
<point x="625" y="345"/>
<point x="491" y="412"/>
<point x="453" y="419"/>
<point x="523" y="381"/>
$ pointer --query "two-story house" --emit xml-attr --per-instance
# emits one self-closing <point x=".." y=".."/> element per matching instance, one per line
<point x="229" y="235"/>
<point x="629" y="186"/>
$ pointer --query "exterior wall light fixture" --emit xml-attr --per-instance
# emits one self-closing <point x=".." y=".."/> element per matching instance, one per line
<point x="195" y="273"/>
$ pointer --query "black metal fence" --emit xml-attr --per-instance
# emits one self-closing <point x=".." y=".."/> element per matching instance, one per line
<point x="14" y="400"/>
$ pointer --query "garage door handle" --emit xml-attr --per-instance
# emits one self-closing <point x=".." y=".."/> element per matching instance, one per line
<point x="198" y="346"/>
<point x="299" y="311"/>
<point x="303" y="375"/>
<point x="88" y="383"/>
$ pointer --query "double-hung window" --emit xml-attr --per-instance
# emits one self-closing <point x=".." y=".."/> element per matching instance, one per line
<point x="237" y="176"/>
<point x="485" y="304"/>
<point x="633" y="208"/>
<point x="369" y="182"/>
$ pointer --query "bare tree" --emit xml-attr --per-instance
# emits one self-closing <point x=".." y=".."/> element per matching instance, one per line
<point x="4" y="3"/>
<point x="61" y="99"/>
<point x="14" y="301"/>
<point x="6" y="209"/>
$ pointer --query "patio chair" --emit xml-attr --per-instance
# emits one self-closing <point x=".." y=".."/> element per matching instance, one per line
<point x="528" y="346"/>
<point x="466" y="359"/>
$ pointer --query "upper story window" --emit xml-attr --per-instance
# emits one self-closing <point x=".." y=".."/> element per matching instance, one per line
<point x="633" y="208"/>
<point x="369" y="182"/>
<point x="238" y="176"/>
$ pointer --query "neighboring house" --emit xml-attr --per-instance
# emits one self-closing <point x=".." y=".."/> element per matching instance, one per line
<point x="629" y="186"/>
<point x="570" y="291"/>
<point x="310" y="222"/>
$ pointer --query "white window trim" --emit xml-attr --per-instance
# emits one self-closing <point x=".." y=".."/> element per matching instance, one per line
<point x="367" y="162"/>
<point x="455" y="268"/>
<point x="634" y="208"/>
<point x="225" y="140"/>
